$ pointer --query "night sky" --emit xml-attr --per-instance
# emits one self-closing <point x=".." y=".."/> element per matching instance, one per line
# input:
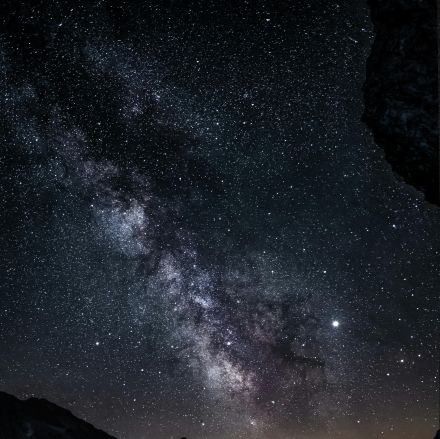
<point x="199" y="237"/>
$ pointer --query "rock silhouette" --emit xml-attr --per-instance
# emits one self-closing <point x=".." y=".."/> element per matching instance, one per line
<point x="40" y="419"/>
<point x="401" y="93"/>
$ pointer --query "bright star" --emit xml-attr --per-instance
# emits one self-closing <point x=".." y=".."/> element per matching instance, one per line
<point x="335" y="323"/>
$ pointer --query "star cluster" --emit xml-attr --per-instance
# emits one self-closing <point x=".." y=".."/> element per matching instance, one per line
<point x="200" y="236"/>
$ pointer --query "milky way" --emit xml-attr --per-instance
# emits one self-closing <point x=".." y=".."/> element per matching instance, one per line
<point x="201" y="238"/>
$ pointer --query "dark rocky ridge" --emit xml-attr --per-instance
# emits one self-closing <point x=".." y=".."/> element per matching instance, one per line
<point x="40" y="419"/>
<point x="36" y="418"/>
<point x="401" y="90"/>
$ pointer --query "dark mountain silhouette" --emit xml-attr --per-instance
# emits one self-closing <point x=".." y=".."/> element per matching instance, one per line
<point x="36" y="418"/>
<point x="40" y="419"/>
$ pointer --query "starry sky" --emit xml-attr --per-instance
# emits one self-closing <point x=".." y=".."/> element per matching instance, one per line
<point x="199" y="236"/>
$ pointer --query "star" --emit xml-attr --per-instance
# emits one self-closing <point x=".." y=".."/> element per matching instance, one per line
<point x="182" y="249"/>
